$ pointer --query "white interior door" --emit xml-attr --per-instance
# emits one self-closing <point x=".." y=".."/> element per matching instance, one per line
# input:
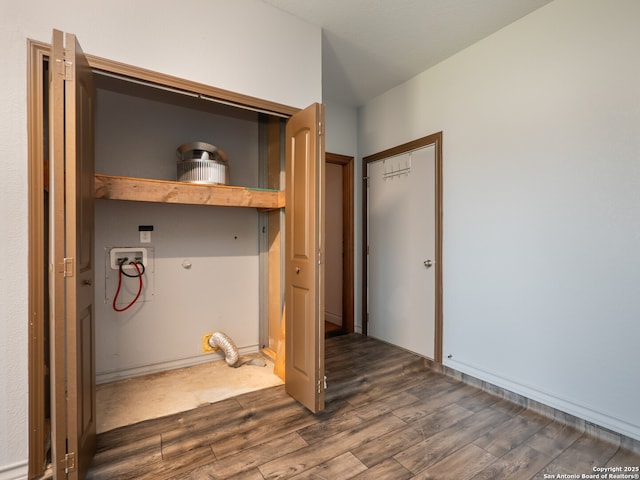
<point x="402" y="250"/>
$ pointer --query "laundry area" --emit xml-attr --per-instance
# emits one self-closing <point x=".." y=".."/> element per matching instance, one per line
<point x="169" y="276"/>
<point x="130" y="401"/>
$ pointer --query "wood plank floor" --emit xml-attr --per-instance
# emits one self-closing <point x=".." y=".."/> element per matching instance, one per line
<point x="387" y="417"/>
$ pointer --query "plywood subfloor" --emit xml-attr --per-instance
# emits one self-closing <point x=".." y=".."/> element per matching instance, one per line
<point x="157" y="395"/>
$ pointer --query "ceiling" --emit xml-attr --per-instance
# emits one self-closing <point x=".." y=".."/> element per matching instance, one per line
<point x="370" y="46"/>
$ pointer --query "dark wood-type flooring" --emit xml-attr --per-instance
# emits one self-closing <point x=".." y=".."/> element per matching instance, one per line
<point x="332" y="330"/>
<point x="388" y="417"/>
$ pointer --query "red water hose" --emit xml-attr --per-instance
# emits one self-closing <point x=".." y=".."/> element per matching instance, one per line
<point x="120" y="274"/>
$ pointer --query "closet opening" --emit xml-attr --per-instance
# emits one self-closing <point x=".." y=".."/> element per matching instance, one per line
<point x="214" y="255"/>
<point x="339" y="294"/>
<point x="207" y="267"/>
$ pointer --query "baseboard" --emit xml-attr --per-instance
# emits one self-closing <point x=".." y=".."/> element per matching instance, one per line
<point x="541" y="408"/>
<point x="138" y="371"/>
<point x="15" y="471"/>
<point x="333" y="318"/>
<point x="269" y="352"/>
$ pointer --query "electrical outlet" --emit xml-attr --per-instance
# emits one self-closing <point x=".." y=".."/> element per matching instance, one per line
<point x="145" y="236"/>
<point x="206" y="348"/>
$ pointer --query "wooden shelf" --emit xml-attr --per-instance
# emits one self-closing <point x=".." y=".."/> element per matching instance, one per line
<point x="162" y="191"/>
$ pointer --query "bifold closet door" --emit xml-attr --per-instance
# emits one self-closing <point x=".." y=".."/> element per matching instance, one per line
<point x="73" y="405"/>
<point x="305" y="257"/>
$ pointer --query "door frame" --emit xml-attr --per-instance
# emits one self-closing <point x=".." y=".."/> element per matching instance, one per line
<point x="436" y="140"/>
<point x="37" y="178"/>
<point x="347" y="237"/>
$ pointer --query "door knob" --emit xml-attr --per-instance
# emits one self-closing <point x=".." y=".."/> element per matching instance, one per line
<point x="298" y="270"/>
<point x="428" y="263"/>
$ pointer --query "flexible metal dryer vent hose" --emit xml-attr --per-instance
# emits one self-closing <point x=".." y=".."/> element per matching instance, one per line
<point x="222" y="341"/>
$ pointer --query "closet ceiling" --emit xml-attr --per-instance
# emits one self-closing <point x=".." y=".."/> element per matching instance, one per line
<point x="370" y="46"/>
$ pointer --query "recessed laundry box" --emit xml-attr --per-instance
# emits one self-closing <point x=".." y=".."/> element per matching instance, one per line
<point x="201" y="162"/>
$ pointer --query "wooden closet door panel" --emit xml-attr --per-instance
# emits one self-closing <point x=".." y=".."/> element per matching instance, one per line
<point x="304" y="250"/>
<point x="72" y="227"/>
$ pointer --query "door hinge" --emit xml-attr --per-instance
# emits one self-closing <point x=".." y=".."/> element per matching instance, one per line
<point x="69" y="462"/>
<point x="322" y="384"/>
<point x="68" y="71"/>
<point x="68" y="267"/>
<point x="58" y="67"/>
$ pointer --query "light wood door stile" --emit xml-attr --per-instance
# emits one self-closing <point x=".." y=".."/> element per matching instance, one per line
<point x="72" y="266"/>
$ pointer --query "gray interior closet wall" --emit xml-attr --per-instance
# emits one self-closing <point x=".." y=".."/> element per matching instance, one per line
<point x="138" y="137"/>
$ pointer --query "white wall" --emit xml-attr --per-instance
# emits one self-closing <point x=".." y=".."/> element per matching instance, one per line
<point x="244" y="46"/>
<point x="341" y="128"/>
<point x="541" y="204"/>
